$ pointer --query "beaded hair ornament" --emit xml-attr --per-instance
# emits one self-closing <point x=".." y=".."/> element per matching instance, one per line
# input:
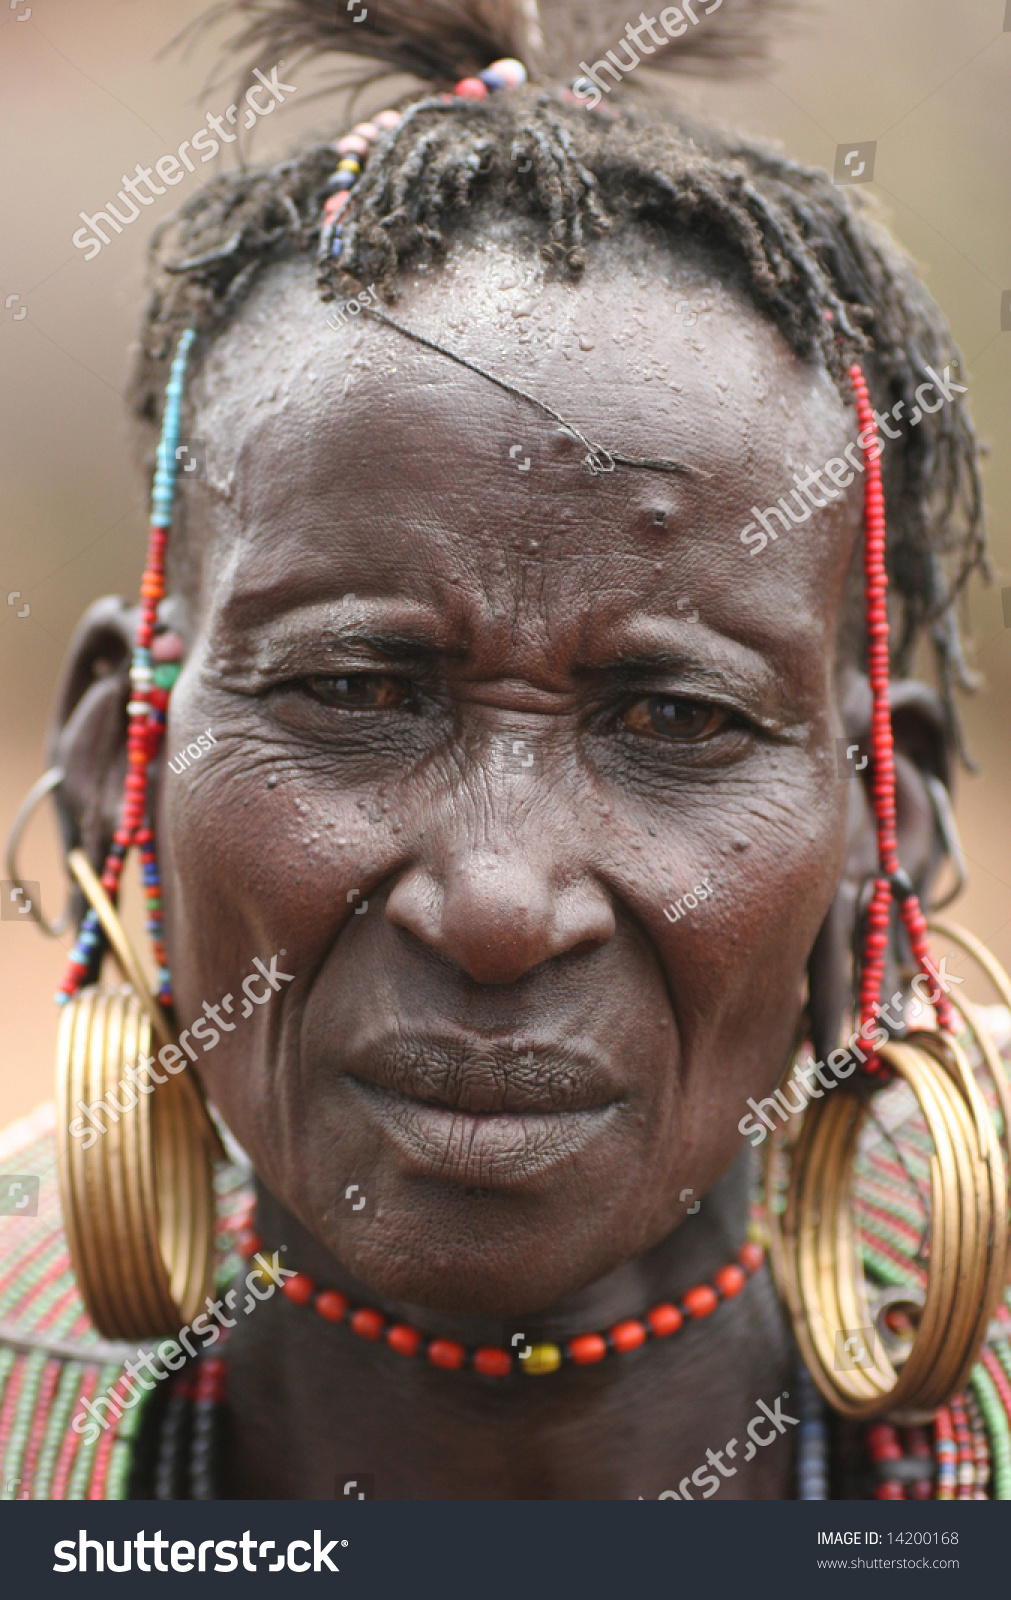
<point x="157" y="656"/>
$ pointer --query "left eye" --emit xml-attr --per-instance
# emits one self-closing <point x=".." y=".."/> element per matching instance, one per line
<point x="359" y="691"/>
<point x="665" y="716"/>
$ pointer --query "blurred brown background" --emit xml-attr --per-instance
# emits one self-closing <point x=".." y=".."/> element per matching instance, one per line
<point x="85" y="98"/>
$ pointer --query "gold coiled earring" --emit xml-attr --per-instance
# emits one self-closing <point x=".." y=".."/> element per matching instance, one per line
<point x="814" y="1246"/>
<point x="136" y="1182"/>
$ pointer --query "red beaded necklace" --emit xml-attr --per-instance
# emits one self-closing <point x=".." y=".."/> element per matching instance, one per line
<point x="539" y="1359"/>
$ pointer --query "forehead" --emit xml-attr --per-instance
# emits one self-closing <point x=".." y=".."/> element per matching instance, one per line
<point x="349" y="456"/>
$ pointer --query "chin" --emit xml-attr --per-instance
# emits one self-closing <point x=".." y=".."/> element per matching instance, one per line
<point x="477" y="1252"/>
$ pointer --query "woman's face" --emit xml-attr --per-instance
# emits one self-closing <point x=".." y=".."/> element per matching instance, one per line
<point x="479" y="717"/>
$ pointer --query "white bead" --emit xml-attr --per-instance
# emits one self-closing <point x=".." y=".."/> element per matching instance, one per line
<point x="513" y="71"/>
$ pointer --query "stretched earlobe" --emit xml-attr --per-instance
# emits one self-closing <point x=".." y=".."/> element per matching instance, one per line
<point x="87" y="733"/>
<point x="922" y="763"/>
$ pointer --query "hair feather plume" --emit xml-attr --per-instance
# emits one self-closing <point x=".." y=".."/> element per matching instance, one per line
<point x="441" y="41"/>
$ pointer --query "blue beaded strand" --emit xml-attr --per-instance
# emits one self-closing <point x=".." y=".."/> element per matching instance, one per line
<point x="166" y="464"/>
<point x="812" y="1443"/>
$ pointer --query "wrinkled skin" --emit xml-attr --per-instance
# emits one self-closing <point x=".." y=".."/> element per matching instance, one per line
<point x="519" y="711"/>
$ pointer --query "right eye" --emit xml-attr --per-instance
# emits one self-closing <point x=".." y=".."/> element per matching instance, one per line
<point x="667" y="716"/>
<point x="358" y="691"/>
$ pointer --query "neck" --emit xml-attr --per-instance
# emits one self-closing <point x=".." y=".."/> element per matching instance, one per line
<point x="637" y="1424"/>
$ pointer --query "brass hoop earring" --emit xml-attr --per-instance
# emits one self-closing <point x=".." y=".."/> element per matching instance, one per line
<point x="138" y="1194"/>
<point x="980" y="1034"/>
<point x="45" y="785"/>
<point x="813" y="1237"/>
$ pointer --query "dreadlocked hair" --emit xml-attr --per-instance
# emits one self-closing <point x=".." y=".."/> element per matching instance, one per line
<point x="812" y="255"/>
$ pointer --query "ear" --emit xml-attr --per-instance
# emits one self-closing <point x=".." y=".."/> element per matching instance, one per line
<point x="87" y="735"/>
<point x="923" y="757"/>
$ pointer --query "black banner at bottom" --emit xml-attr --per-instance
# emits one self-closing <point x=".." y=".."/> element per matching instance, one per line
<point x="518" y="1550"/>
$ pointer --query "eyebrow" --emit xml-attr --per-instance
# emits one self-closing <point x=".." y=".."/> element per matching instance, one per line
<point x="669" y="642"/>
<point x="642" y="665"/>
<point x="397" y="647"/>
<point x="286" y="640"/>
<point x="754" y="677"/>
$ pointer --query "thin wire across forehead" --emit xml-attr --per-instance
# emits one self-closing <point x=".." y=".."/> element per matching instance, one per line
<point x="597" y="458"/>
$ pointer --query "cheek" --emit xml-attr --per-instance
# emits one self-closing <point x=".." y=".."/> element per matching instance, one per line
<point x="735" y="961"/>
<point x="263" y="838"/>
<point x="737" y="885"/>
<point x="259" y="855"/>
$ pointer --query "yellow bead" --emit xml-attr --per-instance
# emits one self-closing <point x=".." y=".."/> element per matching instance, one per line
<point x="349" y="164"/>
<point x="543" y="1358"/>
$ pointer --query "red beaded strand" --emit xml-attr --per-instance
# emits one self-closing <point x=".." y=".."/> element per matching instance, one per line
<point x="882" y="752"/>
<point x="883" y="1448"/>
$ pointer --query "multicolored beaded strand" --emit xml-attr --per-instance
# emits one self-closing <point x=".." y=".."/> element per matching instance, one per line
<point x="996" y="1409"/>
<point x="153" y="671"/>
<point x="208" y="1401"/>
<point x="885" y="1452"/>
<point x="353" y="148"/>
<point x="903" y="1464"/>
<point x="965" y="1470"/>
<point x="946" y="1452"/>
<point x="921" y="1459"/>
<point x="980" y="1443"/>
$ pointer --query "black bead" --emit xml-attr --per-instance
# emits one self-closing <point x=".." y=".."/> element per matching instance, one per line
<point x="902" y="885"/>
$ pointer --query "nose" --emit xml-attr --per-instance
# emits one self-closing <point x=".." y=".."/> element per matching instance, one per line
<point x="499" y="916"/>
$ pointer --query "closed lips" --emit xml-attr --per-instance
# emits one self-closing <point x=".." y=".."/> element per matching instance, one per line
<point x="451" y="1075"/>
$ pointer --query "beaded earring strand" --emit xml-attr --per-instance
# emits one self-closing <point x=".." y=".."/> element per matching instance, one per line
<point x="892" y="881"/>
<point x="154" y="668"/>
